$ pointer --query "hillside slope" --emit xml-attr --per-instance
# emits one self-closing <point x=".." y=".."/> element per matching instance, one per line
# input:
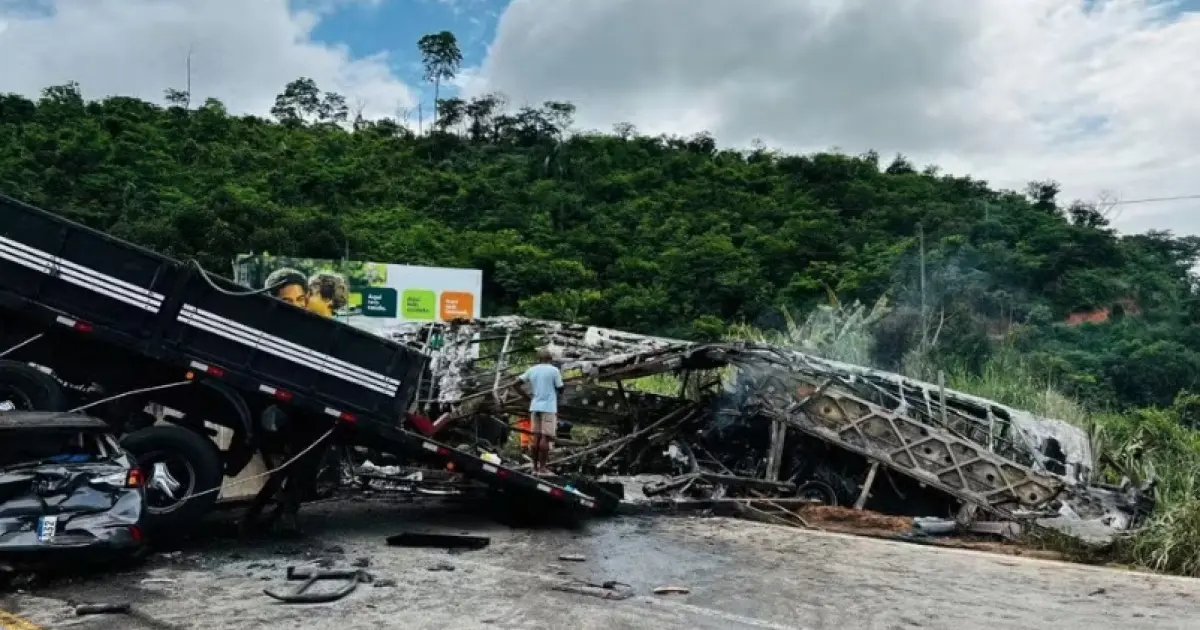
<point x="671" y="236"/>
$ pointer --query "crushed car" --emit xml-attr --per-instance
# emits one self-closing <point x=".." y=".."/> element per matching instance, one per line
<point x="67" y="489"/>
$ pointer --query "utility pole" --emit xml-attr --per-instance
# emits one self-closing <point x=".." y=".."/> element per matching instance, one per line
<point x="924" y="319"/>
<point x="188" y="103"/>
<point x="187" y="78"/>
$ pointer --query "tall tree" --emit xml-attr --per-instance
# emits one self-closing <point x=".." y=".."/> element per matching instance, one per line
<point x="302" y="100"/>
<point x="300" y="97"/>
<point x="442" y="59"/>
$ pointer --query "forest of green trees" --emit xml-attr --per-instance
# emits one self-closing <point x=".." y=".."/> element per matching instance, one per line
<point x="673" y="236"/>
<point x="667" y="235"/>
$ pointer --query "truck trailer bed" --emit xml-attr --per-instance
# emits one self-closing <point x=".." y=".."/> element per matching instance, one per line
<point x="71" y="279"/>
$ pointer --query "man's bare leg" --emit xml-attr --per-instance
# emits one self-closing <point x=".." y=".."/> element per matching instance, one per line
<point x="540" y="459"/>
<point x="549" y="431"/>
<point x="535" y="445"/>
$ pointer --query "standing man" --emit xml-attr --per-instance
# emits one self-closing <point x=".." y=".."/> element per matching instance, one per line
<point x="544" y="382"/>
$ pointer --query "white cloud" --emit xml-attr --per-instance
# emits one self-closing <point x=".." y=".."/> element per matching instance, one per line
<point x="243" y="51"/>
<point x="1098" y="94"/>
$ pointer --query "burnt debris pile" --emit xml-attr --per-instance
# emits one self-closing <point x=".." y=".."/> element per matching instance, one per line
<point x="767" y="428"/>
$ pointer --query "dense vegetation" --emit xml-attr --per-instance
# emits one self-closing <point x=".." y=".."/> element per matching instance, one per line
<point x="673" y="236"/>
<point x="665" y="235"/>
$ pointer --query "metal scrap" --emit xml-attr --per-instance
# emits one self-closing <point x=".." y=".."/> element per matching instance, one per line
<point x="310" y="576"/>
<point x="607" y="590"/>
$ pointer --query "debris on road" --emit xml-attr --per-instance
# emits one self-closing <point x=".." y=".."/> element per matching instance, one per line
<point x="607" y="590"/>
<point x="442" y="566"/>
<point x="302" y="595"/>
<point x="934" y="526"/>
<point x="442" y="541"/>
<point x="571" y="557"/>
<point x="672" y="590"/>
<point x="83" y="610"/>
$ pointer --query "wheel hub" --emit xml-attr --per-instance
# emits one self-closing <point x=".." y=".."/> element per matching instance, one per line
<point x="162" y="481"/>
<point x="13" y="399"/>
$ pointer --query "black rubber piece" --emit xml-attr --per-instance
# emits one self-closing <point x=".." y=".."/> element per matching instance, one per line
<point x="205" y="460"/>
<point x="101" y="609"/>
<point x="42" y="391"/>
<point x="442" y="541"/>
<point x="300" y="595"/>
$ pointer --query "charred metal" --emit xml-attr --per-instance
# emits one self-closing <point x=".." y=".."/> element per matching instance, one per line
<point x="759" y="424"/>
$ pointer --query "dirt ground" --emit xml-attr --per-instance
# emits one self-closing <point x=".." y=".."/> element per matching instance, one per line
<point x="740" y="575"/>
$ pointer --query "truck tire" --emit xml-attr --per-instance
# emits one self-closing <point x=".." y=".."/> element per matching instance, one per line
<point x="29" y="389"/>
<point x="192" y="465"/>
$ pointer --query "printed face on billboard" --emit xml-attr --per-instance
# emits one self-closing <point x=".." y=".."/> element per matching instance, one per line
<point x="288" y="284"/>
<point x="294" y="294"/>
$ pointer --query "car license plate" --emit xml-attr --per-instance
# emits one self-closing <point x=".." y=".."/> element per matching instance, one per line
<point x="46" y="529"/>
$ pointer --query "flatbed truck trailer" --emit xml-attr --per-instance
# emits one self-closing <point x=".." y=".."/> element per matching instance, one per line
<point x="87" y="319"/>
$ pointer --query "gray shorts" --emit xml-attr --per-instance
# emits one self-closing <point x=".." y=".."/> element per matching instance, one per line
<point x="543" y="423"/>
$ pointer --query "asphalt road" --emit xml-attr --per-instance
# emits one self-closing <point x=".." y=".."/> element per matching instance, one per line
<point x="740" y="575"/>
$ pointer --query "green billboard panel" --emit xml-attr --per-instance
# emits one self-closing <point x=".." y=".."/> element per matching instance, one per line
<point x="379" y="302"/>
<point x="419" y="305"/>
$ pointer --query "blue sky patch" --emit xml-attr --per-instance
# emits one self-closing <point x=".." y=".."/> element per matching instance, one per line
<point x="395" y="26"/>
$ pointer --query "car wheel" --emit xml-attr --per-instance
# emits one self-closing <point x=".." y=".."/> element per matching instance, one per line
<point x="26" y="388"/>
<point x="178" y="464"/>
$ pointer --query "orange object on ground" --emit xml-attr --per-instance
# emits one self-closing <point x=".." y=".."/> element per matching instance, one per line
<point x="525" y="424"/>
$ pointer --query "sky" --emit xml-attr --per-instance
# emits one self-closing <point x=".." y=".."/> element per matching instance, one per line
<point x="1100" y="95"/>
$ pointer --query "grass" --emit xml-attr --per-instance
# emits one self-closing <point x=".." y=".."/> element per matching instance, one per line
<point x="1153" y="443"/>
<point x="1010" y="380"/>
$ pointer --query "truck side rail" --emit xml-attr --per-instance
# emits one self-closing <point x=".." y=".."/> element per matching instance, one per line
<point x="169" y="311"/>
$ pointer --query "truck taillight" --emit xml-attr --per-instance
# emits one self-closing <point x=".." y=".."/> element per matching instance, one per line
<point x="210" y="370"/>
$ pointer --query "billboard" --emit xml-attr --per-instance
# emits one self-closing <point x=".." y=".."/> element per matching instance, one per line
<point x="368" y="295"/>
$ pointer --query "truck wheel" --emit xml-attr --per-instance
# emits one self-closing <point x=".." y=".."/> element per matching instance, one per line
<point x="26" y="388"/>
<point x="177" y="464"/>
